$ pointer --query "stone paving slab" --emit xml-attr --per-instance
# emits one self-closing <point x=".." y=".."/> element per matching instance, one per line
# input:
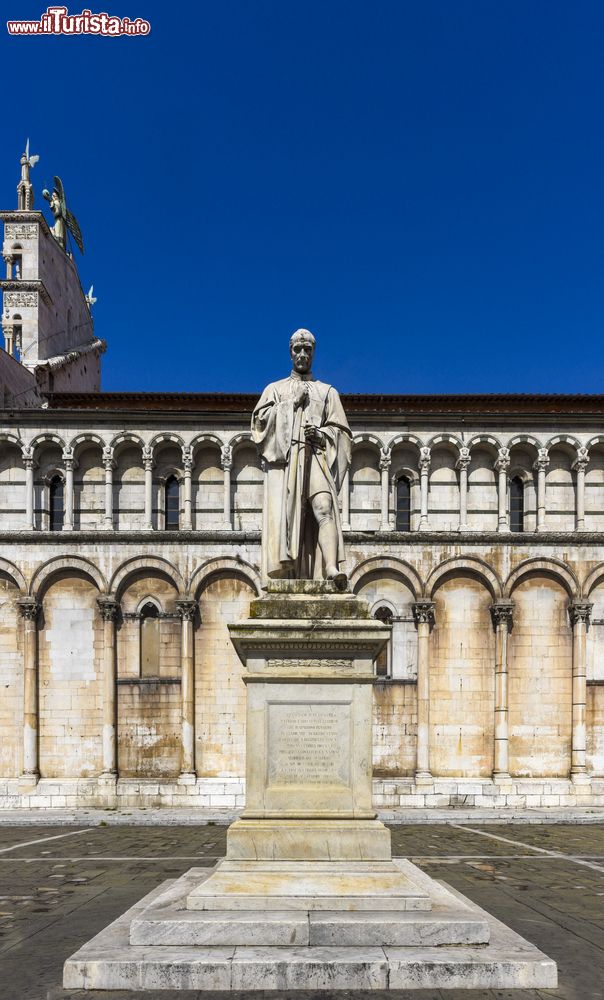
<point x="53" y="902"/>
<point x="202" y="817"/>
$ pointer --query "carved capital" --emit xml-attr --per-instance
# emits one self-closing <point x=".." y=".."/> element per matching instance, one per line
<point x="542" y="461"/>
<point x="187" y="460"/>
<point x="108" y="460"/>
<point x="582" y="460"/>
<point x="502" y="613"/>
<point x="29" y="608"/>
<point x="69" y="462"/>
<point x="385" y="460"/>
<point x="226" y="456"/>
<point x="463" y="462"/>
<point x="29" y="462"/>
<point x="148" y="462"/>
<point x="502" y="462"/>
<point x="109" y="608"/>
<point x="580" y="611"/>
<point x="423" y="612"/>
<point x="187" y="608"/>
<point x="425" y="458"/>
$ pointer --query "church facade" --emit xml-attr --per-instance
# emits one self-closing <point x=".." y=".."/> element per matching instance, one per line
<point x="130" y="528"/>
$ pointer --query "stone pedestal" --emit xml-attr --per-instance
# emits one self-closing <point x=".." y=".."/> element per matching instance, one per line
<point x="308" y="896"/>
<point x="309" y="837"/>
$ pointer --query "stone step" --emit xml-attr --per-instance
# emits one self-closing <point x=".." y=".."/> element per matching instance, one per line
<point x="110" y="962"/>
<point x="265" y="885"/>
<point x="187" y="928"/>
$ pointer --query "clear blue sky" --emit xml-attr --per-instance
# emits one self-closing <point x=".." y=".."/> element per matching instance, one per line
<point x="420" y="183"/>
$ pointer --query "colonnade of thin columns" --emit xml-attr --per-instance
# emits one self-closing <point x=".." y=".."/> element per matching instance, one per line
<point x="109" y="608"/>
<point x="502" y="467"/>
<point x="502" y="616"/>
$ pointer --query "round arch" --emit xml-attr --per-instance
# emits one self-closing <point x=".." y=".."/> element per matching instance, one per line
<point x="487" y="441"/>
<point x="468" y="565"/>
<point x="597" y="439"/>
<point x="212" y="567"/>
<point x="553" y="568"/>
<point x="592" y="580"/>
<point x="367" y="439"/>
<point x="7" y="438"/>
<point x="205" y="439"/>
<point x="47" y="437"/>
<point x="445" y="440"/>
<point x="166" y="437"/>
<point x="78" y="444"/>
<point x="520" y="439"/>
<point x="63" y="564"/>
<point x="124" y="439"/>
<point x="152" y="564"/>
<point x="9" y="569"/>
<point x="390" y="564"/>
<point x="402" y="439"/>
<point x="244" y="438"/>
<point x="564" y="439"/>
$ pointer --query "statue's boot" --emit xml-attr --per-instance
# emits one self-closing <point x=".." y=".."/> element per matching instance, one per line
<point x="337" y="576"/>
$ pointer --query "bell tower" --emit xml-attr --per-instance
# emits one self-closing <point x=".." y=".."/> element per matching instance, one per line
<point x="46" y="317"/>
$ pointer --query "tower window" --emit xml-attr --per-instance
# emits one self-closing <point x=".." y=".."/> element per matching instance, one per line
<point x="516" y="504"/>
<point x="56" y="504"/>
<point x="149" y="640"/>
<point x="172" y="503"/>
<point x="382" y="664"/>
<point x="403" y="504"/>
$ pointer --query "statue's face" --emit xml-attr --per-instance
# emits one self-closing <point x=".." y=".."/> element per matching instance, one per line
<point x="301" y="352"/>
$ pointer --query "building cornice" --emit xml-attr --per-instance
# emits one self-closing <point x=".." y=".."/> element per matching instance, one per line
<point x="381" y="406"/>
<point x="527" y="539"/>
<point x="26" y="285"/>
<point x="33" y="216"/>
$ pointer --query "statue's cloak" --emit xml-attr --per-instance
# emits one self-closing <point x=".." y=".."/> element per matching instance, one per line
<point x="278" y="430"/>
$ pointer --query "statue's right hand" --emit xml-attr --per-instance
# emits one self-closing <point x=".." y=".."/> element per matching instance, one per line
<point x="301" y="395"/>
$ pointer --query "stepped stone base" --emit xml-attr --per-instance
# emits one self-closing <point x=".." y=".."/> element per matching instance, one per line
<point x="160" y="944"/>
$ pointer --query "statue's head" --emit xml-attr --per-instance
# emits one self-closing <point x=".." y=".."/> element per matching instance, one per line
<point x="302" y="348"/>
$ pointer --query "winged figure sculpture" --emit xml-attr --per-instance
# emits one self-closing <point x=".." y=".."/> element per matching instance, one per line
<point x="64" y="219"/>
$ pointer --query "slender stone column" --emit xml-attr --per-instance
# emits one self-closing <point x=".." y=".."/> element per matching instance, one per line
<point x="502" y="466"/>
<point x="187" y="609"/>
<point x="226" y="459"/>
<point x="9" y="261"/>
<point x="463" y="464"/>
<point x="29" y="608"/>
<point x="385" y="460"/>
<point x="579" y="613"/>
<point x="68" y="466"/>
<point x="9" y="335"/>
<point x="541" y="464"/>
<point x="110" y="609"/>
<point x="30" y="465"/>
<point x="346" y="501"/>
<point x="580" y="465"/>
<point x="424" y="473"/>
<point x="423" y="614"/>
<point x="501" y="613"/>
<point x="109" y="464"/>
<point x="187" y="464"/>
<point x="148" y="466"/>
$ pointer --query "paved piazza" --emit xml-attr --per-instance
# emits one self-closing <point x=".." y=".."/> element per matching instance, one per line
<point x="61" y="885"/>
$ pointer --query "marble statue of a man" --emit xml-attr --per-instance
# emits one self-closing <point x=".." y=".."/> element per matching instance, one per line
<point x="303" y="436"/>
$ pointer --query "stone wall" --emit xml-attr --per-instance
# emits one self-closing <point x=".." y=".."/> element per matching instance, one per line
<point x="120" y="548"/>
